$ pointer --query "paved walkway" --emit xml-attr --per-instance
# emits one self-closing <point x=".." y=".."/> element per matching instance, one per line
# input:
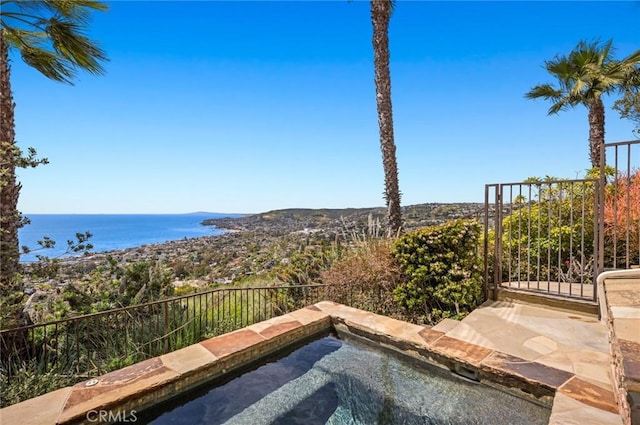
<point x="568" y="341"/>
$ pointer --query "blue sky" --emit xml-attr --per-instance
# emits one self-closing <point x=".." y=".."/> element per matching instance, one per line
<point x="245" y="107"/>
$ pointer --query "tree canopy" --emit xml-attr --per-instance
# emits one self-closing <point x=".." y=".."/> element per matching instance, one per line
<point x="583" y="77"/>
<point x="50" y="36"/>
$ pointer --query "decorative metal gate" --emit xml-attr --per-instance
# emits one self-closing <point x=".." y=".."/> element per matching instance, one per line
<point x="543" y="237"/>
<point x="555" y="236"/>
<point x="620" y="209"/>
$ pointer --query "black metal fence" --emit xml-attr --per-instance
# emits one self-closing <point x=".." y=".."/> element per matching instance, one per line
<point x="556" y="236"/>
<point x="90" y="345"/>
<point x="543" y="236"/>
<point x="620" y="208"/>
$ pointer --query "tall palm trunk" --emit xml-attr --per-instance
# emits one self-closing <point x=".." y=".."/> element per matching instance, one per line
<point x="596" y="131"/>
<point x="9" y="189"/>
<point x="380" y="14"/>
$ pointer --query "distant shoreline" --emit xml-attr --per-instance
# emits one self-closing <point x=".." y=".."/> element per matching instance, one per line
<point x="110" y="232"/>
<point x="276" y="223"/>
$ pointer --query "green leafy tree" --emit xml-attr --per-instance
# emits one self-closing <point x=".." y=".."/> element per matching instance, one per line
<point x="629" y="105"/>
<point x="305" y="266"/>
<point x="50" y="37"/>
<point x="583" y="76"/>
<point x="145" y="281"/>
<point x="380" y="15"/>
<point x="48" y="267"/>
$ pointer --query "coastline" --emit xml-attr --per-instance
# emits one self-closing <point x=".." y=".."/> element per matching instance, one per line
<point x="256" y="250"/>
<point x="253" y="244"/>
<point x="110" y="232"/>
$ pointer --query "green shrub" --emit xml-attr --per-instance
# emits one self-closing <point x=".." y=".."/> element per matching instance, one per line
<point x="550" y="237"/>
<point x="185" y="290"/>
<point x="304" y="267"/>
<point x="548" y="234"/>
<point x="443" y="270"/>
<point x="146" y="281"/>
<point x="31" y="380"/>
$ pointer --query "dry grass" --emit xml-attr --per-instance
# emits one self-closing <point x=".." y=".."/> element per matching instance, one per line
<point x="366" y="277"/>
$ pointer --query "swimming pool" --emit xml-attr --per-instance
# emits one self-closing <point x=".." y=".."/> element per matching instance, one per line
<point x="331" y="381"/>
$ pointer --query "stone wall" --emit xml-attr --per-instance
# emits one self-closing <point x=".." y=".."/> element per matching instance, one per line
<point x="621" y="301"/>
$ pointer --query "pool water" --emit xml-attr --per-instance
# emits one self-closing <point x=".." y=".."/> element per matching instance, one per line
<point x="330" y="381"/>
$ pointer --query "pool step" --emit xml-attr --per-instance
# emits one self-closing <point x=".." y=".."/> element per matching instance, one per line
<point x="284" y="399"/>
<point x="551" y="301"/>
<point x="445" y="325"/>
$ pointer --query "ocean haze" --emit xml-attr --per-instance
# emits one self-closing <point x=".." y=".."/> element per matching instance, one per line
<point x="113" y="231"/>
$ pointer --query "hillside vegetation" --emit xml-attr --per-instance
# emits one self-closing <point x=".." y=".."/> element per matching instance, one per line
<point x="423" y="276"/>
<point x="275" y="247"/>
<point x="336" y="220"/>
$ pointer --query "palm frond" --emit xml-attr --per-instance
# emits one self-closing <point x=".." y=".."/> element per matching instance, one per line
<point x="633" y="79"/>
<point x="633" y="59"/>
<point x="18" y="38"/>
<point x="558" y="97"/>
<point x="606" y="53"/>
<point x="71" y="44"/>
<point x="586" y="73"/>
<point x="630" y="67"/>
<point x="77" y="10"/>
<point x="561" y="105"/>
<point x="50" y="35"/>
<point x="580" y="86"/>
<point x="49" y="64"/>
<point x="559" y="66"/>
<point x="582" y="58"/>
<point x="545" y="91"/>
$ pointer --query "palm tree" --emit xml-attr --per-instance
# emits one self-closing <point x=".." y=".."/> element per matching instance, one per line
<point x="380" y="15"/>
<point x="583" y="77"/>
<point x="49" y="35"/>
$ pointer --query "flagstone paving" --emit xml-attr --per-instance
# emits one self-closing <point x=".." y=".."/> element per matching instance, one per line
<point x="565" y="341"/>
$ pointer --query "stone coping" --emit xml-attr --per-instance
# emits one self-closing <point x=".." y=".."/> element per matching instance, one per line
<point x="144" y="384"/>
<point x="620" y="299"/>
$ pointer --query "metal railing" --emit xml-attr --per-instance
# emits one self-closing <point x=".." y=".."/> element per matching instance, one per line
<point x="543" y="237"/>
<point x="556" y="236"/>
<point x="620" y="208"/>
<point x="93" y="344"/>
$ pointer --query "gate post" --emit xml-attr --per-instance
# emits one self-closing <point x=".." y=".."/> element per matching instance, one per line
<point x="492" y="282"/>
<point x="599" y="239"/>
<point x="497" y="275"/>
<point x="485" y="251"/>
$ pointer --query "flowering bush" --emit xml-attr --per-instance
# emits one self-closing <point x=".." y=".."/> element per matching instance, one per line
<point x="622" y="218"/>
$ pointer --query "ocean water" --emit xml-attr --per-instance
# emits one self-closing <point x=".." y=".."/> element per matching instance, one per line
<point x="112" y="231"/>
